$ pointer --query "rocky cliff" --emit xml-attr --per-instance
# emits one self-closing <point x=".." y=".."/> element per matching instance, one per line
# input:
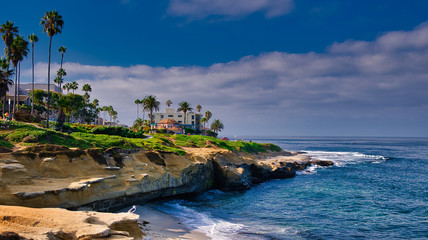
<point x="59" y="224"/>
<point x="51" y="176"/>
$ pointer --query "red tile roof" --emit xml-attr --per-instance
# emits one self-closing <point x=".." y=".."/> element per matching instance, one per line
<point x="168" y="121"/>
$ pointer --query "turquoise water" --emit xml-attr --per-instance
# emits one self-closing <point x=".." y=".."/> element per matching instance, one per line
<point x="378" y="189"/>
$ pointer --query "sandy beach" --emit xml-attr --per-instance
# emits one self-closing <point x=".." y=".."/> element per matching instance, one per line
<point x="164" y="226"/>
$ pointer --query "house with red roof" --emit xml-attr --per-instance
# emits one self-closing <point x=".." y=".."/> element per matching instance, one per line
<point x="169" y="125"/>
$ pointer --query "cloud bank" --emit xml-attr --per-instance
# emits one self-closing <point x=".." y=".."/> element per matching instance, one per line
<point x="199" y="9"/>
<point x="357" y="87"/>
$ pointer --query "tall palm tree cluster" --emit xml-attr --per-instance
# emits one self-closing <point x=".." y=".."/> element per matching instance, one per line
<point x="52" y="25"/>
<point x="5" y="79"/>
<point x="110" y="111"/>
<point x="72" y="106"/>
<point x="16" y="50"/>
<point x="148" y="103"/>
<point x="151" y="104"/>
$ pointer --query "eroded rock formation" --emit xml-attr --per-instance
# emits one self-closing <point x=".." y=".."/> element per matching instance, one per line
<point x="49" y="176"/>
<point x="54" y="223"/>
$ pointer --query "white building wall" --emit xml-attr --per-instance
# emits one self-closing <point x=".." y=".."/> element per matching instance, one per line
<point x="170" y="113"/>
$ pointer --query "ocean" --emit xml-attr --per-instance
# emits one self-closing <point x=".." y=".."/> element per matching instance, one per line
<point x="377" y="189"/>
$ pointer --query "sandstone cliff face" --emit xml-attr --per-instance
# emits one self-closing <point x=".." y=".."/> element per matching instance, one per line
<point x="109" y="181"/>
<point x="56" y="224"/>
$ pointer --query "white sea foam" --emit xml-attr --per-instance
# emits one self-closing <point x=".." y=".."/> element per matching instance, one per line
<point x="341" y="159"/>
<point x="214" y="228"/>
<point x="221" y="229"/>
<point x="309" y="170"/>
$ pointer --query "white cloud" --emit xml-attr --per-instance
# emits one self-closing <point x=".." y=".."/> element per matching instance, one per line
<point x="384" y="80"/>
<point x="199" y="9"/>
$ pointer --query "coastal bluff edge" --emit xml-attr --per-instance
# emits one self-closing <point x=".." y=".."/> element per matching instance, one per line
<point x="107" y="181"/>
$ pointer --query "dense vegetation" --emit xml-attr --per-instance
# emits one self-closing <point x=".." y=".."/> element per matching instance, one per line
<point x="30" y="135"/>
<point x="108" y="130"/>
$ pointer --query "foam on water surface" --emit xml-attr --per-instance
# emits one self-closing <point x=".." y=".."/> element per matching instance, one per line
<point x="341" y="159"/>
<point x="214" y="228"/>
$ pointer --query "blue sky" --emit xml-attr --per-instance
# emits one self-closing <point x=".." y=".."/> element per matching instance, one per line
<point x="264" y="67"/>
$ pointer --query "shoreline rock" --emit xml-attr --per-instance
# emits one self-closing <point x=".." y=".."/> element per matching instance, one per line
<point x="89" y="180"/>
<point x="73" y="179"/>
<point x="55" y="223"/>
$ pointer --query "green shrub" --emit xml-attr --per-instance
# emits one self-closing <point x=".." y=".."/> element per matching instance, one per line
<point x="118" y="131"/>
<point x="189" y="130"/>
<point x="25" y="116"/>
<point x="211" y="133"/>
<point x="160" y="142"/>
<point x="6" y="144"/>
<point x="162" y="130"/>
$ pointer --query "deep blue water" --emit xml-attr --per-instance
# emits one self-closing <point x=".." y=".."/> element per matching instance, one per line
<point x="378" y="189"/>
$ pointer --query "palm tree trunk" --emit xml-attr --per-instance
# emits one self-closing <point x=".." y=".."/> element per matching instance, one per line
<point x="19" y="83"/>
<point x="15" y="85"/>
<point x="49" y="81"/>
<point x="4" y="105"/>
<point x="184" y="119"/>
<point x="137" y="112"/>
<point x="32" y="83"/>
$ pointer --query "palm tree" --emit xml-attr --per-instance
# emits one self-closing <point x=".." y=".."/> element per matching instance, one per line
<point x="110" y="112"/>
<point x="67" y="87"/>
<point x="144" y="110"/>
<point x="33" y="39"/>
<point x="18" y="50"/>
<point x="52" y="24"/>
<point x="204" y="120"/>
<point x="87" y="88"/>
<point x="208" y="115"/>
<point x="168" y="103"/>
<point x="184" y="107"/>
<point x="138" y="123"/>
<point x="59" y="74"/>
<point x="9" y="31"/>
<point x="58" y="80"/>
<point x="217" y="126"/>
<point x="138" y="102"/>
<point x="96" y="102"/>
<point x="62" y="50"/>
<point x="151" y="104"/>
<point x="114" y="114"/>
<point x="5" y="80"/>
<point x="199" y="108"/>
<point x="74" y="86"/>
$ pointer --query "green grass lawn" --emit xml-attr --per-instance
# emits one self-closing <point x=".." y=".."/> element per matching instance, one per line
<point x="238" y="146"/>
<point x="29" y="135"/>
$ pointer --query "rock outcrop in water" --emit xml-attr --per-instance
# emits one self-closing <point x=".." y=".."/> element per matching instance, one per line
<point x="52" y="176"/>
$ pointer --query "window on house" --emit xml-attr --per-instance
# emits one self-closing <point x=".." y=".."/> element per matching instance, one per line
<point x="180" y="115"/>
<point x="179" y="121"/>
<point x="170" y="115"/>
<point x="193" y="122"/>
<point x="193" y="116"/>
<point x="161" y="116"/>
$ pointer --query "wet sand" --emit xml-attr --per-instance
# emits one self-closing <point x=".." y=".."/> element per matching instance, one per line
<point x="164" y="226"/>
